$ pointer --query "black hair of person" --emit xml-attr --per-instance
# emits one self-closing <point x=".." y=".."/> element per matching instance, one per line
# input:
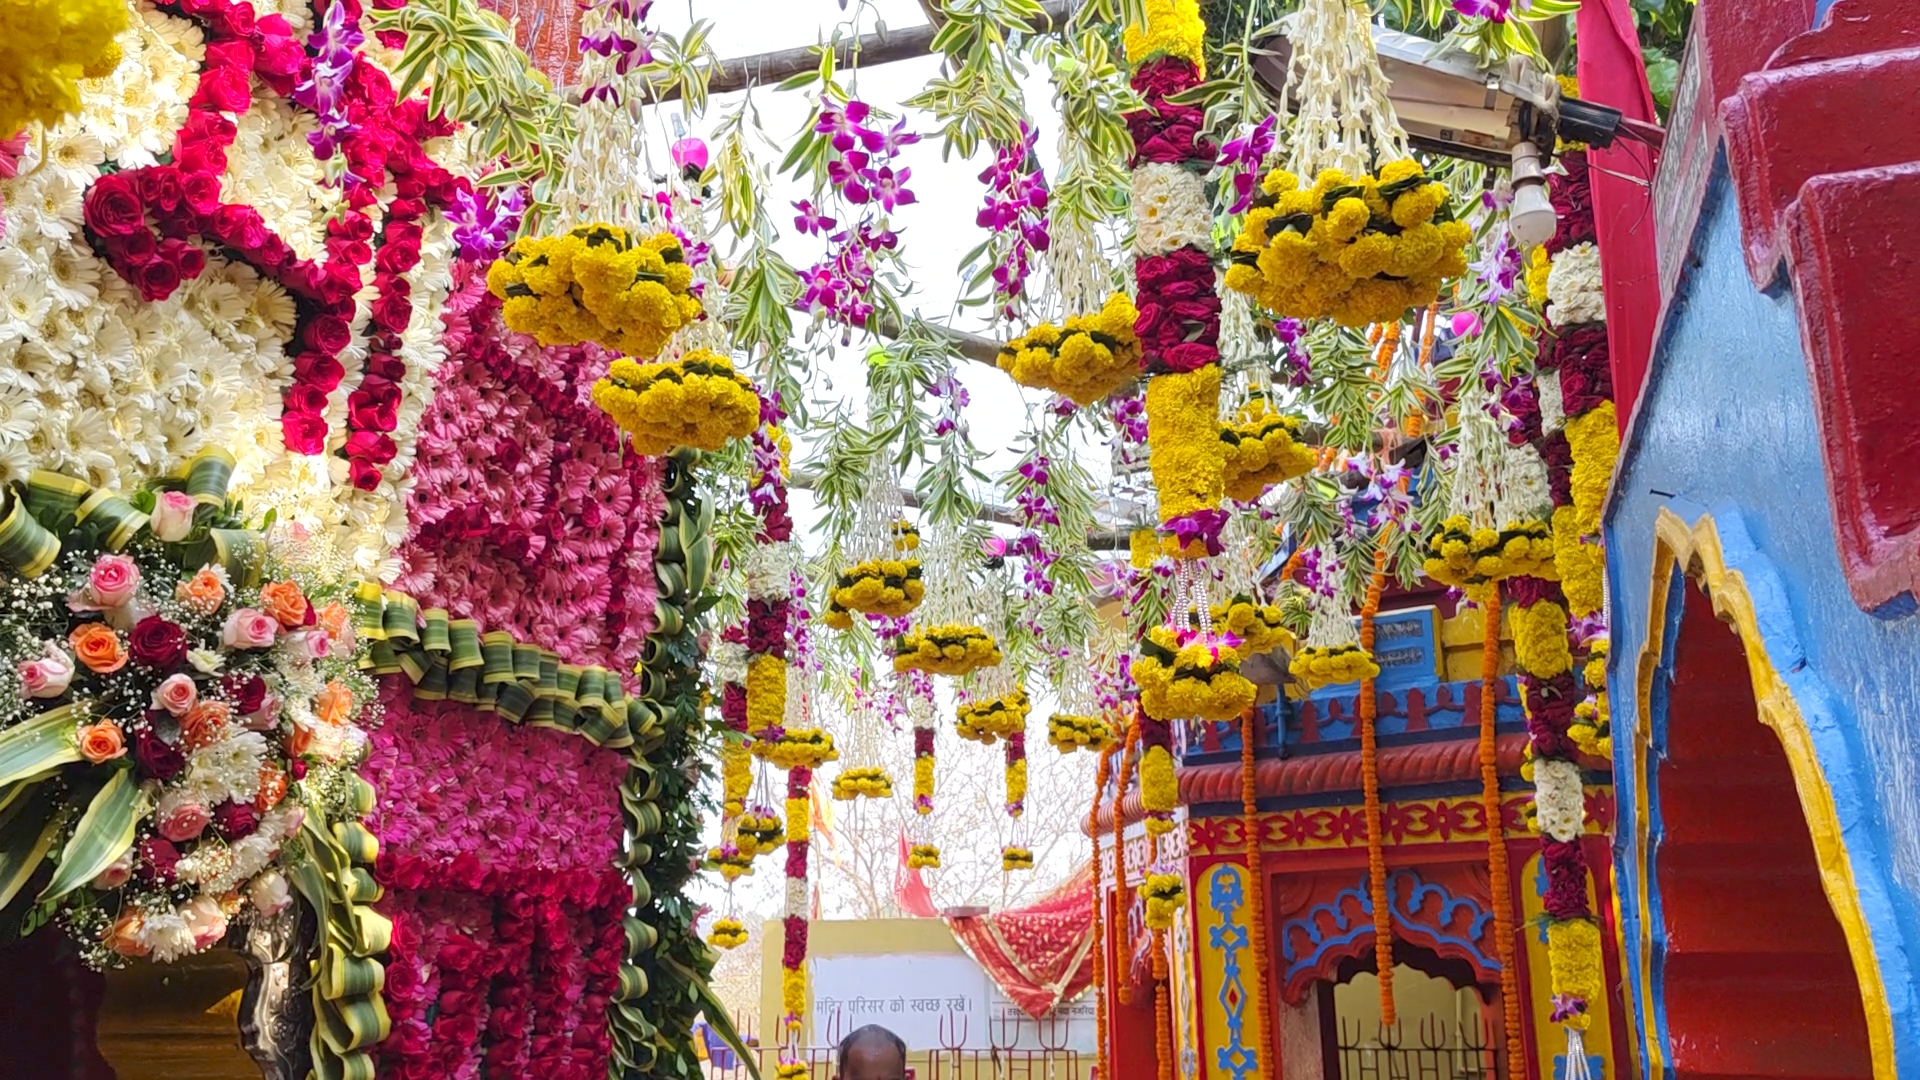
<point x="869" y="1035"/>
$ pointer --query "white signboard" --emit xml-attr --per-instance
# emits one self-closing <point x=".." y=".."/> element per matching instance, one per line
<point x="936" y="1001"/>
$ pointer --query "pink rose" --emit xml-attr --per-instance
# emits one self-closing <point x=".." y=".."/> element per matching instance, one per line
<point x="248" y="628"/>
<point x="115" y="875"/>
<point x="49" y="675"/>
<point x="312" y="644"/>
<point x="110" y="584"/>
<point x="172" y="517"/>
<point x="269" y="893"/>
<point x="205" y="921"/>
<point x="264" y="718"/>
<point x="176" y="694"/>
<point x="181" y="817"/>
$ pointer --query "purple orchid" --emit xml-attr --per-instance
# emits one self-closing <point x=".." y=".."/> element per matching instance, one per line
<point x="1499" y="268"/>
<point x="334" y="47"/>
<point x="1244" y="155"/>
<point x="811" y="221"/>
<point x="1015" y="211"/>
<point x="1495" y="10"/>
<point x="484" y="223"/>
<point x="1294" y="361"/>
<point x="889" y="188"/>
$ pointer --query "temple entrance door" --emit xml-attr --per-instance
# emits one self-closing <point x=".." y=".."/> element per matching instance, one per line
<point x="1445" y="1028"/>
<point x="1758" y="981"/>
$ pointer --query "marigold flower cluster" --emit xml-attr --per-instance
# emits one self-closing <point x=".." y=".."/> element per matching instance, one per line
<point x="760" y="830"/>
<point x="906" y="536"/>
<point x="1159" y="788"/>
<point x="727" y="933"/>
<point x="923" y="857"/>
<point x="1166" y="894"/>
<point x="1184" y="451"/>
<point x="766" y="694"/>
<point x="801" y="748"/>
<point x="988" y="721"/>
<point x="1262" y="449"/>
<point x="1198" y="680"/>
<point x="1085" y="360"/>
<point x="1332" y="665"/>
<point x="698" y="400"/>
<point x="1540" y="639"/>
<point x="1015" y="857"/>
<point x="1573" y="955"/>
<point x="1462" y="556"/>
<point x="870" y="781"/>
<point x="1171" y="28"/>
<point x="889" y="587"/>
<point x="732" y="863"/>
<point x="947" y="649"/>
<point x="596" y="283"/>
<point x="46" y="48"/>
<point x="1358" y="250"/>
<point x="1261" y="628"/>
<point x="1067" y="732"/>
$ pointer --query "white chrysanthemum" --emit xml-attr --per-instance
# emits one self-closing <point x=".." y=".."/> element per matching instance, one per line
<point x="796" y="897"/>
<point x="23" y="307"/>
<point x="165" y="936"/>
<point x="1170" y="210"/>
<point x="230" y="768"/>
<point x="770" y="568"/>
<point x="74" y="150"/>
<point x="1559" y="800"/>
<point x="182" y="36"/>
<point x="72" y="275"/>
<point x="729" y="662"/>
<point x="1574" y="293"/>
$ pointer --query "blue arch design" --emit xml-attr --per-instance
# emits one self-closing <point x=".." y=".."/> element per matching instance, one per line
<point x="1414" y="902"/>
<point x="1226" y="894"/>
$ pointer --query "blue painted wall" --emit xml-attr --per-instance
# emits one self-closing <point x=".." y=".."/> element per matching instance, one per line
<point x="1727" y="428"/>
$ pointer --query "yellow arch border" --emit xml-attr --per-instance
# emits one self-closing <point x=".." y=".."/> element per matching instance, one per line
<point x="1697" y="551"/>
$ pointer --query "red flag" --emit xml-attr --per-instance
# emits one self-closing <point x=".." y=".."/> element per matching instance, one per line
<point x="910" y="889"/>
<point x="1612" y="72"/>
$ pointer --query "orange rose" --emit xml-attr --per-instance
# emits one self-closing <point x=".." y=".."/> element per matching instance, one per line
<point x="335" y="703"/>
<point x="273" y="787"/>
<point x="284" y="601"/>
<point x="98" y="647"/>
<point x="204" y="592"/>
<point x="333" y="619"/>
<point x="300" y="740"/>
<point x="101" y="742"/>
<point x="123" y="936"/>
<point x="205" y="724"/>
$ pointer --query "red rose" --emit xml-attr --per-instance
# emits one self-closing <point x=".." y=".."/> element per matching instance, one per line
<point x="1189" y="356"/>
<point x="222" y="87"/>
<point x="249" y="692"/>
<point x="273" y="255"/>
<point x="156" y="278"/>
<point x="346" y="250"/>
<point x="337" y="284"/>
<point x="394" y="309"/>
<point x="157" y="859"/>
<point x="374" y="406"/>
<point x="304" y="432"/>
<point x="202" y="157"/>
<point x="354" y="226"/>
<point x="397" y="256"/>
<point x="158" y="643"/>
<point x="239" y="227"/>
<point x="201" y="193"/>
<point x="132" y="250"/>
<point x="327" y="333"/>
<point x="318" y="370"/>
<point x="207" y="131"/>
<point x="159" y="186"/>
<point x="402" y="215"/>
<point x="386" y="366"/>
<point x="370" y="446"/>
<point x="305" y="398"/>
<point x="1165" y="76"/>
<point x="113" y="208"/>
<point x="186" y="258"/>
<point x="233" y="821"/>
<point x="156" y="758"/>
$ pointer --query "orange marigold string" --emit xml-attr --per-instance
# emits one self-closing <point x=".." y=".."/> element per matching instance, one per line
<point x="1162" y="1008"/>
<point x="1370" y="786"/>
<point x="1496" y="837"/>
<point x="1256" y="894"/>
<point x="1416" y="419"/>
<point x="1122" y="928"/>
<point x="1383" y="357"/>
<point x="1099" y="943"/>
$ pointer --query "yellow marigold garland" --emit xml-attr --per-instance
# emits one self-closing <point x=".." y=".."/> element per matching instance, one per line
<point x="990" y="720"/>
<point x="1261" y="628"/>
<point x="1173" y="28"/>
<point x="947" y="649"/>
<point x="1462" y="556"/>
<point x="698" y="401"/>
<point x="793" y="993"/>
<point x="1580" y="561"/>
<point x="800" y="748"/>
<point x="1143" y="547"/>
<point x="1261" y="451"/>
<point x="766" y="696"/>
<point x="1067" y="732"/>
<point x="1194" y="681"/>
<point x="596" y="283"/>
<point x="1085" y="360"/>
<point x="736" y="777"/>
<point x="732" y="863"/>
<point x="1358" y="250"/>
<point x="1540" y="639"/>
<point x="760" y="831"/>
<point x="1573" y="955"/>
<point x="1159" y="788"/>
<point x="1332" y="665"/>
<point x="1166" y="894"/>
<point x="906" y="536"/>
<point x="1016" y="779"/>
<point x="727" y="933"/>
<point x="46" y="48"/>
<point x="1594" y="439"/>
<point x="890" y="587"/>
<point x="924" y="857"/>
<point x="869" y="781"/>
<point x="1016" y="857"/>
<point x="1184" y="452"/>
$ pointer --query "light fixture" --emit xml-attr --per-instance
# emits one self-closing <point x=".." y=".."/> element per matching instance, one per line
<point x="1531" y="219"/>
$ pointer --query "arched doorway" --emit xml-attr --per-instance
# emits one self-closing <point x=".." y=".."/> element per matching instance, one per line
<point x="1756" y="973"/>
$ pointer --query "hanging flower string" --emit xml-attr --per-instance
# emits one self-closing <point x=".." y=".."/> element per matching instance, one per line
<point x="1016" y="215"/>
<point x="866" y="187"/>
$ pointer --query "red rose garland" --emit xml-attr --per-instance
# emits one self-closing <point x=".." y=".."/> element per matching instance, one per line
<point x="143" y="221"/>
<point x="1179" y="323"/>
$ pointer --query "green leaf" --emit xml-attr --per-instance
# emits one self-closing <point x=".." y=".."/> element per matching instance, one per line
<point x="42" y="743"/>
<point x="721" y="1021"/>
<point x="28" y="827"/>
<point x="105" y="832"/>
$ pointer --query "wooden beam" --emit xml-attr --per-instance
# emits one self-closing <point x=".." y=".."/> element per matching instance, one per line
<point x="773" y="68"/>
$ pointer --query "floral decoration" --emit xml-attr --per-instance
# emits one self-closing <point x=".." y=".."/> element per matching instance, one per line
<point x="597" y="283"/>
<point x="1262" y="449"/>
<point x="1332" y="665"/>
<point x="992" y="719"/>
<point x="50" y="46"/>
<point x="1085" y="359"/>
<point x="1462" y="555"/>
<point x="1165" y="895"/>
<point x="697" y="401"/>
<point x="947" y="649"/>
<point x="1067" y="732"/>
<point x="866" y="781"/>
<point x="1186" y="676"/>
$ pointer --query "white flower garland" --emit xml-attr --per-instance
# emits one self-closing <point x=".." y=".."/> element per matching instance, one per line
<point x="1170" y="211"/>
<point x="1574" y="293"/>
<point x="1558" y="798"/>
<point x="770" y="569"/>
<point x="729" y="662"/>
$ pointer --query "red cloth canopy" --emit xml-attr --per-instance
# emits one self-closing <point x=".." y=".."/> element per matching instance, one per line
<point x="1040" y="955"/>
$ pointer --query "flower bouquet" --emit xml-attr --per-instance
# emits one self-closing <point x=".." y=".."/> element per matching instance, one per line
<point x="1183" y="675"/>
<point x="1332" y="665"/>
<point x="889" y="587"/>
<point x="800" y="748"/>
<point x="989" y="720"/>
<point x="1262" y="450"/>
<point x="1085" y="360"/>
<point x="1067" y="732"/>
<point x="596" y="283"/>
<point x="948" y="649"/>
<point x="698" y="401"/>
<point x="1358" y="250"/>
<point x="167" y="720"/>
<point x="1261" y="628"/>
<point x="727" y="933"/>
<point x="870" y="781"/>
